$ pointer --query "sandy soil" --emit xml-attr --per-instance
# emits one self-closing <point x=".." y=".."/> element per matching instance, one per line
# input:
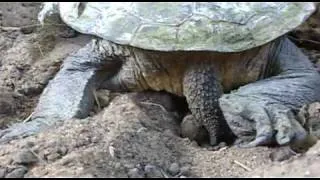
<point x="133" y="135"/>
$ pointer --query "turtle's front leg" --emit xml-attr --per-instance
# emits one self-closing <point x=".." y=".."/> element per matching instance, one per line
<point x="202" y="90"/>
<point x="70" y="93"/>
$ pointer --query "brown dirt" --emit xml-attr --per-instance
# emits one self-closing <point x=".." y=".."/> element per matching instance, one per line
<point x="137" y="138"/>
<point x="305" y="165"/>
<point x="134" y="135"/>
<point x="29" y="59"/>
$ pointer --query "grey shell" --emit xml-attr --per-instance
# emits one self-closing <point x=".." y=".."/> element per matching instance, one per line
<point x="187" y="26"/>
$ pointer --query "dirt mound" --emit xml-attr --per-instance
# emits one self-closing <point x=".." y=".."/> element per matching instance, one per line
<point x="306" y="165"/>
<point x="29" y="58"/>
<point x="307" y="36"/>
<point x="309" y="30"/>
<point x="124" y="140"/>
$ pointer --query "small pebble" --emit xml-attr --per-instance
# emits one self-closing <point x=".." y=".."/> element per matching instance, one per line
<point x="185" y="170"/>
<point x="104" y="97"/>
<point x="30" y="144"/>
<point x="2" y="172"/>
<point x="25" y="157"/>
<point x="53" y="156"/>
<point x="281" y="154"/>
<point x="139" y="166"/>
<point x="27" y="30"/>
<point x="194" y="144"/>
<point x="307" y="173"/>
<point x="183" y="176"/>
<point x="87" y="176"/>
<point x="134" y="173"/>
<point x="117" y="165"/>
<point x="66" y="161"/>
<point x="129" y="166"/>
<point x="17" y="173"/>
<point x="213" y="148"/>
<point x="152" y="171"/>
<point x="27" y="144"/>
<point x="222" y="144"/>
<point x="62" y="150"/>
<point x="174" y="169"/>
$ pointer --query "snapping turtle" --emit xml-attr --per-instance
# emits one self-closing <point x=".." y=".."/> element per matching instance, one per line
<point x="198" y="50"/>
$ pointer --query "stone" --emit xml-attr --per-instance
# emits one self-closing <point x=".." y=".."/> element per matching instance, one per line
<point x="25" y="157"/>
<point x="174" y="169"/>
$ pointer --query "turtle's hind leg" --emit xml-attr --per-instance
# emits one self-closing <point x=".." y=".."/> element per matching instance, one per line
<point x="202" y="90"/>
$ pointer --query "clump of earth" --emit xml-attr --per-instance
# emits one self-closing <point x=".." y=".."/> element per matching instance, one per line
<point x="127" y="134"/>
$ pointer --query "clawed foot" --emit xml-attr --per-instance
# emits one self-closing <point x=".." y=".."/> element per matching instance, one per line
<point x="258" y="141"/>
<point x="21" y="130"/>
<point x="265" y="122"/>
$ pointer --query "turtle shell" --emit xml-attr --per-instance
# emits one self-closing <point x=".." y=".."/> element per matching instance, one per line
<point x="186" y="26"/>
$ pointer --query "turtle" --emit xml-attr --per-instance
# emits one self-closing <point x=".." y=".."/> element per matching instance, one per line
<point x="232" y="62"/>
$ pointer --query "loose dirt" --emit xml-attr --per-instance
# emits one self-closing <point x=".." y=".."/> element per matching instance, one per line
<point x="131" y="135"/>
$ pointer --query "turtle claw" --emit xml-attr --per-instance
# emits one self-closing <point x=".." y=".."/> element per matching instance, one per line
<point x="268" y="123"/>
<point x="259" y="141"/>
<point x="20" y="130"/>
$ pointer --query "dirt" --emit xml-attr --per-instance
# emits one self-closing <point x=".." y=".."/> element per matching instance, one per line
<point x="29" y="59"/>
<point x="304" y="165"/>
<point x="125" y="136"/>
<point x="310" y="30"/>
<point x="129" y="135"/>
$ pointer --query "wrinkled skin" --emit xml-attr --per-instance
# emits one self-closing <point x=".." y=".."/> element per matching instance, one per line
<point x="265" y="111"/>
<point x="279" y="78"/>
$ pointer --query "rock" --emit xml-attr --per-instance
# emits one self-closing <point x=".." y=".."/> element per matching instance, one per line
<point x="191" y="129"/>
<point x="217" y="147"/>
<point x="62" y="150"/>
<point x="17" y="173"/>
<point x="135" y="173"/>
<point x="185" y="170"/>
<point x="2" y="172"/>
<point x="28" y="30"/>
<point x="194" y="144"/>
<point x="282" y="154"/>
<point x="27" y="144"/>
<point x="30" y="144"/>
<point x="129" y="166"/>
<point x="117" y="165"/>
<point x="103" y="96"/>
<point x="25" y="157"/>
<point x="87" y="176"/>
<point x="222" y="144"/>
<point x="152" y="171"/>
<point x="53" y="156"/>
<point x="174" y="169"/>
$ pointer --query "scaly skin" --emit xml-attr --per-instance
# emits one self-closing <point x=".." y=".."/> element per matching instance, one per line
<point x="266" y="110"/>
<point x="202" y="90"/>
<point x="199" y="76"/>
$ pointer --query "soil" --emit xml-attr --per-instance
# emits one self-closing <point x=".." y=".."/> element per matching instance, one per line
<point x="128" y="135"/>
<point x="29" y="58"/>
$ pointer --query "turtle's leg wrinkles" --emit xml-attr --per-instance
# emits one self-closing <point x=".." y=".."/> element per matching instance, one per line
<point x="202" y="90"/>
<point x="70" y="93"/>
<point x="265" y="110"/>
